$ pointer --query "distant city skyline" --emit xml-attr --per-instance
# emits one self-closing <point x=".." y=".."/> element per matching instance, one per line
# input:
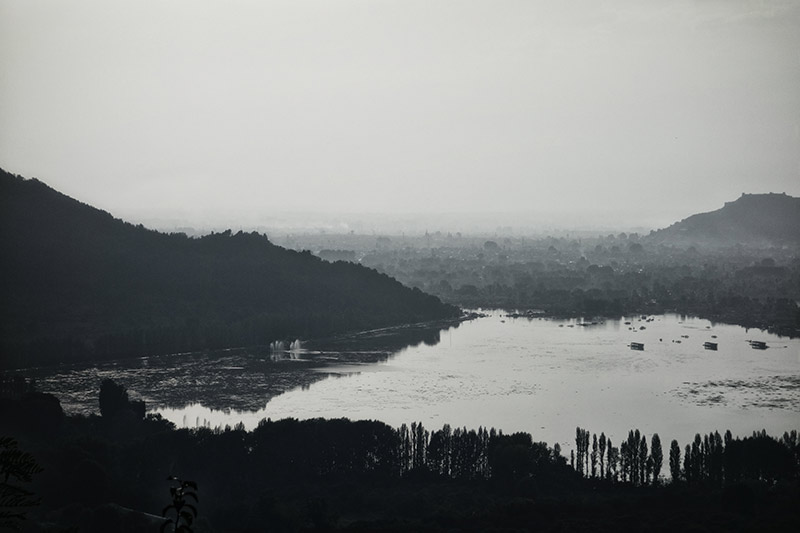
<point x="622" y="114"/>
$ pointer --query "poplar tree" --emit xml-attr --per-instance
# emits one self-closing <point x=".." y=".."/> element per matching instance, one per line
<point x="611" y="465"/>
<point x="623" y="461"/>
<point x="697" y="458"/>
<point x="586" y="449"/>
<point x="675" y="461"/>
<point x="602" y="444"/>
<point x="643" y="461"/>
<point x="687" y="465"/>
<point x="658" y="456"/>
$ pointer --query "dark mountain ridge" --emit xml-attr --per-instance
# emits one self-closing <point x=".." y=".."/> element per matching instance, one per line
<point x="758" y="219"/>
<point x="79" y="284"/>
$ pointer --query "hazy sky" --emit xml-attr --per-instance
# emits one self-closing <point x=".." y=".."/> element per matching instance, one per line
<point x="632" y="111"/>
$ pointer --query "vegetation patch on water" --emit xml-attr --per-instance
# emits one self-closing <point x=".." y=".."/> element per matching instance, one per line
<point x="771" y="392"/>
<point x="232" y="380"/>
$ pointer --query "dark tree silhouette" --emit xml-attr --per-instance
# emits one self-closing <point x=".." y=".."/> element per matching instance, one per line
<point x="16" y="466"/>
<point x="688" y="469"/>
<point x="114" y="401"/>
<point x="631" y="457"/>
<point x="580" y="450"/>
<point x="511" y="457"/>
<point x="557" y="453"/>
<point x="113" y="398"/>
<point x="697" y="459"/>
<point x="715" y="458"/>
<point x="642" y="460"/>
<point x="613" y="458"/>
<point x="181" y="492"/>
<point x="602" y="446"/>
<point x="623" y="462"/>
<point x="658" y="456"/>
<point x="675" y="461"/>
<point x="418" y="445"/>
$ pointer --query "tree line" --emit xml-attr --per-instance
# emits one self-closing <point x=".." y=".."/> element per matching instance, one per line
<point x="248" y="478"/>
<point x="607" y="276"/>
<point x="710" y="459"/>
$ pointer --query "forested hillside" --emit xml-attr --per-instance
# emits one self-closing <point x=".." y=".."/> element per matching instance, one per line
<point x="79" y="284"/>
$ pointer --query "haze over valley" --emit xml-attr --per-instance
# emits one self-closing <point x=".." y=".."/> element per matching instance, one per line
<point x="452" y="265"/>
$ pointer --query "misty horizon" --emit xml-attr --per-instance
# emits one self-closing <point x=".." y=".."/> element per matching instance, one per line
<point x="481" y="223"/>
<point x="587" y="115"/>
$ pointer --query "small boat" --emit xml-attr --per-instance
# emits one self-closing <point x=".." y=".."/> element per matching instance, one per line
<point x="637" y="346"/>
<point x="710" y="346"/>
<point x="758" y="345"/>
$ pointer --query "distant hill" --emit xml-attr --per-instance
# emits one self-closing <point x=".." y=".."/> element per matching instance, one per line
<point x="76" y="283"/>
<point x="761" y="219"/>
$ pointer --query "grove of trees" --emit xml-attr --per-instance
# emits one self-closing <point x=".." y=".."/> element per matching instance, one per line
<point x="296" y="474"/>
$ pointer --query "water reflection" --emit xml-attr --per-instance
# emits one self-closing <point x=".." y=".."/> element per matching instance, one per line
<point x="232" y="380"/>
<point x="526" y="373"/>
<point x="548" y="376"/>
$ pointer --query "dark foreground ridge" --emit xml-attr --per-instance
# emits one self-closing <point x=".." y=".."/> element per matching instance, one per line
<point x="80" y="284"/>
<point x="110" y="473"/>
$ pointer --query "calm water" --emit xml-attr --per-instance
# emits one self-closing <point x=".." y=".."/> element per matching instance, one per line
<point x="549" y="376"/>
<point x="541" y="376"/>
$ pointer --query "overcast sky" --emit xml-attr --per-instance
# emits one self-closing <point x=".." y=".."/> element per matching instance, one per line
<point x="637" y="112"/>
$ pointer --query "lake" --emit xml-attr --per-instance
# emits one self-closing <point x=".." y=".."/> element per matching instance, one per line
<point x="543" y="376"/>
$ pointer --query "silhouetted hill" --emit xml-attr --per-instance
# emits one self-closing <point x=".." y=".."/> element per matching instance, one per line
<point x="764" y="219"/>
<point x="77" y="283"/>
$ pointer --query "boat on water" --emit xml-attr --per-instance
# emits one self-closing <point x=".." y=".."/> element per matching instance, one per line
<point x="637" y="346"/>
<point x="710" y="346"/>
<point x="758" y="345"/>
